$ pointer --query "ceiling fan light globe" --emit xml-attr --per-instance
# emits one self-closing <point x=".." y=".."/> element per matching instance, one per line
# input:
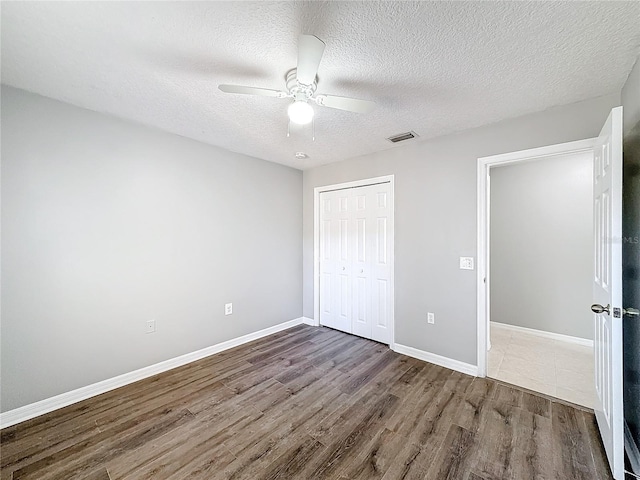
<point x="300" y="112"/>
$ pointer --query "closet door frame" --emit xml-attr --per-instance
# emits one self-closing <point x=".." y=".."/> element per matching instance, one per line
<point x="316" y="242"/>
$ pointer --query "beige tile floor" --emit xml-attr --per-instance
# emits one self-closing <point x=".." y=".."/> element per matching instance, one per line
<point x="558" y="368"/>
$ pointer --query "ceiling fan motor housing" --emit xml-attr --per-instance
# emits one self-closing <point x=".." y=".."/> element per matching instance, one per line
<point x="298" y="90"/>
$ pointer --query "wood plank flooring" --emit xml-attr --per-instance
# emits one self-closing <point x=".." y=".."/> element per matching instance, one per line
<point x="308" y="403"/>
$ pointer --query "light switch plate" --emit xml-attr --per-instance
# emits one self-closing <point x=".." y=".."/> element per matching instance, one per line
<point x="466" y="263"/>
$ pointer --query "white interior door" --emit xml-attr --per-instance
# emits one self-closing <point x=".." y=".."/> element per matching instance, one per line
<point x="380" y="265"/>
<point x="355" y="261"/>
<point x="607" y="289"/>
<point x="335" y="259"/>
<point x="363" y="247"/>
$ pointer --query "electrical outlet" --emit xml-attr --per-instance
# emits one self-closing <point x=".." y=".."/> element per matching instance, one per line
<point x="151" y="326"/>
<point x="431" y="317"/>
<point x="228" y="308"/>
<point x="466" y="263"/>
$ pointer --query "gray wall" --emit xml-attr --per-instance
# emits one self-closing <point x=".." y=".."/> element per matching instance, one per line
<point x="435" y="202"/>
<point x="542" y="245"/>
<point x="631" y="249"/>
<point x="631" y="99"/>
<point x="106" y="224"/>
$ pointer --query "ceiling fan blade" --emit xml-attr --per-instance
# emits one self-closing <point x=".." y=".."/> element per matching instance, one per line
<point x="264" y="92"/>
<point x="310" y="50"/>
<point x="345" y="103"/>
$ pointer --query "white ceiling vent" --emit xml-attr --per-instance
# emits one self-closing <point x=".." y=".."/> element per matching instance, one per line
<point x="401" y="137"/>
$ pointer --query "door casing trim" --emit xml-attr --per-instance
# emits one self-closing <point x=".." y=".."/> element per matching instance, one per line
<point x="482" y="240"/>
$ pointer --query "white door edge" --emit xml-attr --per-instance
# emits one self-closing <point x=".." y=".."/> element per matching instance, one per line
<point x="316" y="241"/>
<point x="482" y="239"/>
<point x="607" y="288"/>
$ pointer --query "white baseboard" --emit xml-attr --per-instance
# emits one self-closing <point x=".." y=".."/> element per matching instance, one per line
<point x="540" y="333"/>
<point x="633" y="452"/>
<point x="437" y="359"/>
<point x="47" y="405"/>
<point x="309" y="321"/>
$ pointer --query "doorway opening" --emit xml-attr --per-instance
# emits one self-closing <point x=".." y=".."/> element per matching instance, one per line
<point x="354" y="258"/>
<point x="535" y="264"/>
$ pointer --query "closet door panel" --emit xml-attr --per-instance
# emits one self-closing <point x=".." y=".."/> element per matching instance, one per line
<point x="355" y="256"/>
<point x="380" y="265"/>
<point x="335" y="260"/>
<point x="361" y="260"/>
<point x="328" y="208"/>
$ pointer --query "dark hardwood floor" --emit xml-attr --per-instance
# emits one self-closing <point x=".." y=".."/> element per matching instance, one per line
<point x="309" y="403"/>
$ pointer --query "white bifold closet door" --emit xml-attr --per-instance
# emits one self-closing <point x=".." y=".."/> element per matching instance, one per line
<point x="355" y="270"/>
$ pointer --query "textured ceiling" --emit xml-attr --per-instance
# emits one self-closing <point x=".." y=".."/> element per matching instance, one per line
<point x="432" y="67"/>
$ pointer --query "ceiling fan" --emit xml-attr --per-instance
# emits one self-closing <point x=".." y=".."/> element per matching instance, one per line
<point x="301" y="84"/>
